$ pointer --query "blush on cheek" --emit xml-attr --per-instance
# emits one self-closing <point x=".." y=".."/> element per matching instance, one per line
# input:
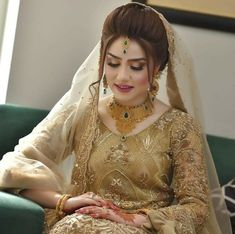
<point x="143" y="81"/>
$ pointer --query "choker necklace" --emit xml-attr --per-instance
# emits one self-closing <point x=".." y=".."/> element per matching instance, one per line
<point x="127" y="117"/>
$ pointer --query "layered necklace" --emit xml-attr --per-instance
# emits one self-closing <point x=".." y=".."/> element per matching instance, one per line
<point x="126" y="117"/>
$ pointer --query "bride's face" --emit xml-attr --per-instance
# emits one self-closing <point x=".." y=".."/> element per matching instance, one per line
<point x="127" y="73"/>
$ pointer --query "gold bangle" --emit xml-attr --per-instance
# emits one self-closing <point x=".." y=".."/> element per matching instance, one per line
<point x="143" y="211"/>
<point x="60" y="205"/>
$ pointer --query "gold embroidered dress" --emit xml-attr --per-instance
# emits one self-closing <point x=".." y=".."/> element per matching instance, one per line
<point x="136" y="174"/>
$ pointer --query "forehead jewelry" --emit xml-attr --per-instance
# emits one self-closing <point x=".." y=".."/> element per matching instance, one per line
<point x="125" y="44"/>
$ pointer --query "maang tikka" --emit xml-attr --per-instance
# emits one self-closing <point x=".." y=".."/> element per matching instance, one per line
<point x="125" y="44"/>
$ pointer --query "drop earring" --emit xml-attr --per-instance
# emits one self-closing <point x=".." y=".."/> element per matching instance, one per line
<point x="105" y="84"/>
<point x="154" y="90"/>
<point x="154" y="86"/>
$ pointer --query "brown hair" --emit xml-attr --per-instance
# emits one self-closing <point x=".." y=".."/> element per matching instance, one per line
<point x="140" y="23"/>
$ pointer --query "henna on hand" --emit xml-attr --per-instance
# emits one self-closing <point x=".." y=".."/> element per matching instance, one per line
<point x="113" y="215"/>
<point x="128" y="218"/>
<point x="103" y="202"/>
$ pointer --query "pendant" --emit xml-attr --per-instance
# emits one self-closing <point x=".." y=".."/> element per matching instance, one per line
<point x="123" y="138"/>
<point x="126" y="115"/>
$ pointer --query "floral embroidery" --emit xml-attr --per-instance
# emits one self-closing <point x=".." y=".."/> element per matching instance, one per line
<point x="147" y="142"/>
<point x="116" y="191"/>
<point x="143" y="179"/>
<point x="118" y="154"/>
<point x="117" y="182"/>
<point x="90" y="175"/>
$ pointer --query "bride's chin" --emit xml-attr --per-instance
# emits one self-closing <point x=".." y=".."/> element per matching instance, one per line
<point x="122" y="99"/>
<point x="126" y="100"/>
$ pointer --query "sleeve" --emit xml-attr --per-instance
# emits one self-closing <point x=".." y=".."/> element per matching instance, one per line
<point x="34" y="162"/>
<point x="189" y="182"/>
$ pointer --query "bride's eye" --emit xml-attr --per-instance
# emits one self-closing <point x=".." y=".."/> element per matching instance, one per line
<point x="113" y="64"/>
<point x="137" y="68"/>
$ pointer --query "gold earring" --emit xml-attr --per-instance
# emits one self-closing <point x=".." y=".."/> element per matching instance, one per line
<point x="154" y="86"/>
<point x="105" y="84"/>
<point x="154" y="89"/>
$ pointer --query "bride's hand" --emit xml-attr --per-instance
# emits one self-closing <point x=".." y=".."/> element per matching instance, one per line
<point x="114" y="215"/>
<point x="86" y="199"/>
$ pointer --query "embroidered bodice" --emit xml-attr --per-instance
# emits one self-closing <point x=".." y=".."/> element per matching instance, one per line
<point x="147" y="170"/>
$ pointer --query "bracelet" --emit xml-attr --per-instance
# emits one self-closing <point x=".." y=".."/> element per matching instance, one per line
<point x="143" y="211"/>
<point x="60" y="205"/>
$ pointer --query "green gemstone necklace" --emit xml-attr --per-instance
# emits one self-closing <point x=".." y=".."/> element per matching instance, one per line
<point x="126" y="117"/>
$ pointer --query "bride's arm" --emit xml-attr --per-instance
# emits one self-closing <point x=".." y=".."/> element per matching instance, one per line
<point x="47" y="199"/>
<point x="50" y="199"/>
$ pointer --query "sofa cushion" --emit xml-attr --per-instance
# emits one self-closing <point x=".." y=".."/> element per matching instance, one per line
<point x="223" y="153"/>
<point x="19" y="215"/>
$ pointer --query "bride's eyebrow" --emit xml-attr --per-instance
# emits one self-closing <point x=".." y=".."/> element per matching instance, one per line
<point x="114" y="56"/>
<point x="134" y="59"/>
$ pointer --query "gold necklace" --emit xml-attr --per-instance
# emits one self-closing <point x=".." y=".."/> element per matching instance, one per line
<point x="127" y="117"/>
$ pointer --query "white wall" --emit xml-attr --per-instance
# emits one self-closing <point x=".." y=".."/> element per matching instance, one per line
<point x="54" y="37"/>
<point x="52" y="40"/>
<point x="214" y="60"/>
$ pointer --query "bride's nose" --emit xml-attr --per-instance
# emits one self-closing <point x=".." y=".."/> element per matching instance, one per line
<point x="123" y="74"/>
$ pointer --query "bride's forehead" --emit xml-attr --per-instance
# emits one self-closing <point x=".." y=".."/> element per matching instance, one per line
<point x="123" y="46"/>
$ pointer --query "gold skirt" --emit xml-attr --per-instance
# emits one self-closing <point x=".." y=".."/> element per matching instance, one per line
<point x="85" y="224"/>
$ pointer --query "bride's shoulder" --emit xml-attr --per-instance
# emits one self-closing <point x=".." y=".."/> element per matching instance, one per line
<point x="102" y="107"/>
<point x="160" y="107"/>
<point x="177" y="116"/>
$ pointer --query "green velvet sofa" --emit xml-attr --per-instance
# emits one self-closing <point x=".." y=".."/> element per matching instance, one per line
<point x="20" y="216"/>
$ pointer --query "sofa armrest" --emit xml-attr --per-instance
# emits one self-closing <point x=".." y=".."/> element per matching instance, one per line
<point x="19" y="215"/>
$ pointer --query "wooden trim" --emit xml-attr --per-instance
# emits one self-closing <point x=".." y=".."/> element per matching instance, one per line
<point x="194" y="19"/>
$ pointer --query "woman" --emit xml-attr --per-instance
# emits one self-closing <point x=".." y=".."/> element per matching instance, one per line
<point x="133" y="163"/>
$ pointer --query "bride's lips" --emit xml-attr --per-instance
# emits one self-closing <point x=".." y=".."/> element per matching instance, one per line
<point x="123" y="88"/>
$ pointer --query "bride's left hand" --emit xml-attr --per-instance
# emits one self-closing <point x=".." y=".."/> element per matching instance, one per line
<point x="114" y="215"/>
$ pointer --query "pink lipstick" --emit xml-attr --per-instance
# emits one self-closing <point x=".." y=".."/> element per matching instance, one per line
<point x="124" y="88"/>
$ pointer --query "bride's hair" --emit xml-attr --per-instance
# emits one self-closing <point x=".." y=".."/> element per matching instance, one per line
<point x="139" y="23"/>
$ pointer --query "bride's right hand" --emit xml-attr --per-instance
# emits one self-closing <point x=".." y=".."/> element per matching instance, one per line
<point x="87" y="199"/>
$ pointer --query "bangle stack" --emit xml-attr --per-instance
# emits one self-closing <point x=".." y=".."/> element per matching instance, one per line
<point x="60" y="205"/>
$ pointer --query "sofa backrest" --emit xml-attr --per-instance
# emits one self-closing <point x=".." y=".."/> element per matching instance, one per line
<point x="15" y="123"/>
